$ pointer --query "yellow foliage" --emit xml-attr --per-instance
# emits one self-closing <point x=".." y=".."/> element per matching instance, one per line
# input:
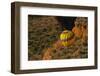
<point x="65" y="37"/>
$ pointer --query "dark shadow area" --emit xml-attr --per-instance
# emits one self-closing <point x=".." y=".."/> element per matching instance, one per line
<point x="66" y="22"/>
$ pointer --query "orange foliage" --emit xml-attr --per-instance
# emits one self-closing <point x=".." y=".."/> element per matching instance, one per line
<point x="47" y="55"/>
<point x="58" y="44"/>
<point x="71" y="41"/>
<point x="77" y="31"/>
